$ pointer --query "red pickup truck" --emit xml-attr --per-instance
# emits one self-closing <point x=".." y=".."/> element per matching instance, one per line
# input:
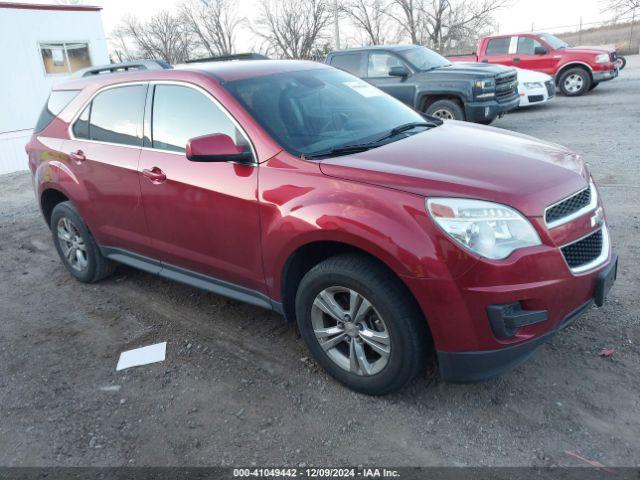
<point x="576" y="70"/>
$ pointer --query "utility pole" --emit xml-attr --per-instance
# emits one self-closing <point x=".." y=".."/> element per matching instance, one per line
<point x="633" y="19"/>
<point x="580" y="32"/>
<point x="336" y="12"/>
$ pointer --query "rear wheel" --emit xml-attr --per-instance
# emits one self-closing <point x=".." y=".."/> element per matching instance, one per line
<point x="361" y="325"/>
<point x="575" y="82"/>
<point x="445" y="110"/>
<point x="75" y="245"/>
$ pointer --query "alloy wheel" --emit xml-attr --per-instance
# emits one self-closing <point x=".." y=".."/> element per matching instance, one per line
<point x="72" y="244"/>
<point x="350" y="331"/>
<point x="444" y="114"/>
<point x="573" y="83"/>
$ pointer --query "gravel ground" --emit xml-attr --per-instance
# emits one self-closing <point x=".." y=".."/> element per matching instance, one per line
<point x="237" y="387"/>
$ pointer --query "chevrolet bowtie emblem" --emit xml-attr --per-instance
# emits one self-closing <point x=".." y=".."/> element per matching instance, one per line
<point x="597" y="218"/>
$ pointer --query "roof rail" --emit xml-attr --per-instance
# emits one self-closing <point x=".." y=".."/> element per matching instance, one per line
<point x="225" y="58"/>
<point x="123" y="67"/>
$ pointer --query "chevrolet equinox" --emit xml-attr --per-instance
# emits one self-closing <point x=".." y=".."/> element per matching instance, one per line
<point x="387" y="235"/>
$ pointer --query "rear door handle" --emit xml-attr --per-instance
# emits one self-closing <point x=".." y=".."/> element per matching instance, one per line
<point x="155" y="175"/>
<point x="78" y="156"/>
<point x="516" y="60"/>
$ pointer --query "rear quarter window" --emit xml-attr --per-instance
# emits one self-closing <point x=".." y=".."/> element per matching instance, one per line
<point x="55" y="104"/>
<point x="349" y="62"/>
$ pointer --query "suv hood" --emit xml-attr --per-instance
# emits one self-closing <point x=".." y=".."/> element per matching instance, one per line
<point x="471" y="69"/>
<point x="473" y="161"/>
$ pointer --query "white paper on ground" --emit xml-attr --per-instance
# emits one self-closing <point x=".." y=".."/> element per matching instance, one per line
<point x="142" y="356"/>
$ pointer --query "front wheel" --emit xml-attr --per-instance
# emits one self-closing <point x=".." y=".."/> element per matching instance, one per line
<point x="575" y="82"/>
<point x="445" y="110"/>
<point x="361" y="324"/>
<point x="621" y="62"/>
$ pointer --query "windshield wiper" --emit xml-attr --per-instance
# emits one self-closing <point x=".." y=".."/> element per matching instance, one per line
<point x="362" y="147"/>
<point x="405" y="128"/>
<point x="345" y="150"/>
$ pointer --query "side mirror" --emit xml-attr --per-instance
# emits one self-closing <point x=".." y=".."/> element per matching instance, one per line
<point x="216" y="147"/>
<point x="540" y="51"/>
<point x="399" y="71"/>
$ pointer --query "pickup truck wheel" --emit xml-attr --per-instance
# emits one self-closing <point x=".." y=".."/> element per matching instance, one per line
<point x="361" y="325"/>
<point x="446" y="110"/>
<point x="575" y="82"/>
<point x="76" y="246"/>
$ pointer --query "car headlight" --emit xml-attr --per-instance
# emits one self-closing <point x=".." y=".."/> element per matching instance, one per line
<point x="485" y="84"/>
<point x="602" y="58"/>
<point x="489" y="229"/>
<point x="533" y="85"/>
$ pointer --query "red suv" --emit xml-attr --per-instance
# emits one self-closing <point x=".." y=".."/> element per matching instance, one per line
<point x="293" y="186"/>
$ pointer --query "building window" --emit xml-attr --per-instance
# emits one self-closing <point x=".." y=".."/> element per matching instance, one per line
<point x="64" y="57"/>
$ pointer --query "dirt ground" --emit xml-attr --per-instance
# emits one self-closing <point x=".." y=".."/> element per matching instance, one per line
<point x="238" y="388"/>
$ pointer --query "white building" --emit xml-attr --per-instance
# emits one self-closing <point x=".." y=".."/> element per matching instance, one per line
<point x="40" y="45"/>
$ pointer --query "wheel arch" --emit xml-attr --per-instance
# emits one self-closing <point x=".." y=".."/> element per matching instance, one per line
<point x="306" y="256"/>
<point x="570" y="65"/>
<point x="427" y="99"/>
<point x="49" y="198"/>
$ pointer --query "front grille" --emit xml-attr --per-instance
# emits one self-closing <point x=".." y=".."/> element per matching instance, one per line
<point x="535" y="98"/>
<point x="568" y="206"/>
<point x="506" y="87"/>
<point x="551" y="88"/>
<point x="583" y="251"/>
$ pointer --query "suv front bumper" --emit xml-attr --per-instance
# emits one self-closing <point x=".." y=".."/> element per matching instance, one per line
<point x="484" y="112"/>
<point x="533" y="292"/>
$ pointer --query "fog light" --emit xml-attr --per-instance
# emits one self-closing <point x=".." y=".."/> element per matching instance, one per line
<point x="487" y="110"/>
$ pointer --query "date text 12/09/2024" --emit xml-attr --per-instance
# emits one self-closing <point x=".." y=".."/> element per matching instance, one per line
<point x="359" y="472"/>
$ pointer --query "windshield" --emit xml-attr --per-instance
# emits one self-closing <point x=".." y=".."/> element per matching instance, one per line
<point x="424" y="59"/>
<point x="311" y="111"/>
<point x="553" y="41"/>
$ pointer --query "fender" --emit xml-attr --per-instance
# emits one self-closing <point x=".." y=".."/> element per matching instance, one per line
<point x="572" y="63"/>
<point x="391" y="225"/>
<point x="423" y="93"/>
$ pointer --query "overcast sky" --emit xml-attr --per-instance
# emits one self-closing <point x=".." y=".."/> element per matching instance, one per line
<point x="543" y="14"/>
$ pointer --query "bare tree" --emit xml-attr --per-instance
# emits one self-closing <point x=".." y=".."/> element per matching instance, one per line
<point x="294" y="28"/>
<point x="214" y="23"/>
<point x="370" y="18"/>
<point x="121" y="46"/>
<point x="621" y="7"/>
<point x="163" y="37"/>
<point x="441" y="23"/>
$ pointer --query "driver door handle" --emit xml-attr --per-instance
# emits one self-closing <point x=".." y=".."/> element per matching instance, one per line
<point x="155" y="175"/>
<point x="78" y="156"/>
<point x="516" y="60"/>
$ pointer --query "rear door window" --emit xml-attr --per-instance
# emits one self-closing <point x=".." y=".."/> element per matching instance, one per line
<point x="116" y="115"/>
<point x="498" y="46"/>
<point x="182" y="113"/>
<point x="54" y="106"/>
<point x="349" y="62"/>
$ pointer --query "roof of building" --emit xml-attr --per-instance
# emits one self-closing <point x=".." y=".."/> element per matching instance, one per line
<point x="36" y="6"/>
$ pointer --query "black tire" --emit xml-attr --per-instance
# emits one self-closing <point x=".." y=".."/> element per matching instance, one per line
<point x="594" y="85"/>
<point x="445" y="109"/>
<point x="585" y="79"/>
<point x="97" y="266"/>
<point x="410" y="342"/>
<point x="623" y="62"/>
